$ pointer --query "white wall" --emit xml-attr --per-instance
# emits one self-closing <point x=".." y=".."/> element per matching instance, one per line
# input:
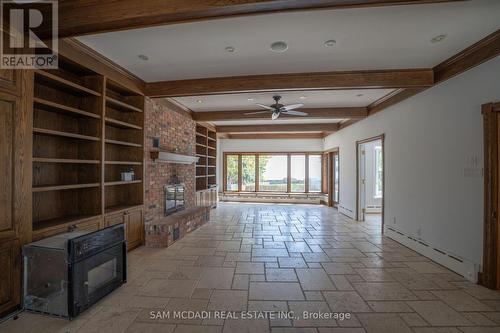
<point x="263" y="145"/>
<point x="430" y="140"/>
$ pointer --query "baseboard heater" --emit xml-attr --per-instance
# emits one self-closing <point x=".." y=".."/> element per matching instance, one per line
<point x="459" y="265"/>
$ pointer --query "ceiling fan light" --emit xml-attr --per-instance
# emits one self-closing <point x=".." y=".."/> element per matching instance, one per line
<point x="275" y="115"/>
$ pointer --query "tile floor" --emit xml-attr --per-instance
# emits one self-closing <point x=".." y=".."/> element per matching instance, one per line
<point x="284" y="258"/>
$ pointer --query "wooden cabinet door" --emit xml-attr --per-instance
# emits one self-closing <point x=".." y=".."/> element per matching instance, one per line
<point x="7" y="165"/>
<point x="135" y="228"/>
<point x="10" y="276"/>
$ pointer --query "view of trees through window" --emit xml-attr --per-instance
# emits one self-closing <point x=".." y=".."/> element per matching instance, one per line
<point x="232" y="173"/>
<point x="273" y="172"/>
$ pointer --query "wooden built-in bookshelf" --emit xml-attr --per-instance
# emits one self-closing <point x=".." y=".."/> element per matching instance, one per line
<point x="87" y="130"/>
<point x="206" y="150"/>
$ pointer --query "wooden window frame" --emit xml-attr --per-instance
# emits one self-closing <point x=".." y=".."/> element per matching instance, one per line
<point x="257" y="169"/>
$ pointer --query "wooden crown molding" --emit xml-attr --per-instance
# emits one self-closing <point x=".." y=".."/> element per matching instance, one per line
<point x="313" y="113"/>
<point x="394" y="78"/>
<point x="91" y="17"/>
<point x="324" y="127"/>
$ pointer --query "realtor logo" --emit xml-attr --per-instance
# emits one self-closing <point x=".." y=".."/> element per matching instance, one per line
<point x="29" y="34"/>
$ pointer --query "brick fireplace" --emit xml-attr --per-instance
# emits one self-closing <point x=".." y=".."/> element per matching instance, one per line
<point x="176" y="131"/>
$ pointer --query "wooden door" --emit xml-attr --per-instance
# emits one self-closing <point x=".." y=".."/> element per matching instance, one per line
<point x="135" y="228"/>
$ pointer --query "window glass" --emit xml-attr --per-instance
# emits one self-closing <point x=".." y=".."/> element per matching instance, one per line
<point x="248" y="173"/>
<point x="314" y="173"/>
<point x="273" y="173"/>
<point x="232" y="173"/>
<point x="298" y="173"/>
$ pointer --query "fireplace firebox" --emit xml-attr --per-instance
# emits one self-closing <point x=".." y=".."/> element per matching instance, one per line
<point x="174" y="198"/>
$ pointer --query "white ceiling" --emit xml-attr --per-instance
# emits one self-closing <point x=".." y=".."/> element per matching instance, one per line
<point x="314" y="99"/>
<point x="367" y="38"/>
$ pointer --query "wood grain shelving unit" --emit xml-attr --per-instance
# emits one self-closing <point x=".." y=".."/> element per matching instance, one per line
<point x="206" y="150"/>
<point x="87" y="130"/>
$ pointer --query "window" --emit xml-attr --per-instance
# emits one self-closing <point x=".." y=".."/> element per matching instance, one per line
<point x="273" y="175"/>
<point x="248" y="173"/>
<point x="378" y="172"/>
<point x="232" y="173"/>
<point x="273" y="172"/>
<point x="315" y="173"/>
<point x="298" y="173"/>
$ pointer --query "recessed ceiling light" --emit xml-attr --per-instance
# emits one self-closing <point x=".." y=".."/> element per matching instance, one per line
<point x="199" y="101"/>
<point x="143" y="57"/>
<point x="438" y="38"/>
<point x="279" y="46"/>
<point x="250" y="99"/>
<point x="330" y="43"/>
<point x="303" y="97"/>
<point x="230" y="49"/>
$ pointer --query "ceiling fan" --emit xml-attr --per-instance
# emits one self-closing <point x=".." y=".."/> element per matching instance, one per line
<point x="277" y="109"/>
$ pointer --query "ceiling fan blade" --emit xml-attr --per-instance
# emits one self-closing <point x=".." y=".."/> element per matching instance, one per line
<point x="257" y="112"/>
<point x="296" y="113"/>
<point x="265" y="106"/>
<point x="291" y="107"/>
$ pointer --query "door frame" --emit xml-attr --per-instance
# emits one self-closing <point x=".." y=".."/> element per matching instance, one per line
<point x="380" y="137"/>
<point x="331" y="177"/>
<point x="490" y="276"/>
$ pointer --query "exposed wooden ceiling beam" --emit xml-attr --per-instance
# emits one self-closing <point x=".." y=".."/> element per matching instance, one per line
<point x="352" y="112"/>
<point x="325" y="127"/>
<point x="90" y="17"/>
<point x="394" y="78"/>
<point x="248" y="136"/>
<point x="394" y="97"/>
<point x="484" y="50"/>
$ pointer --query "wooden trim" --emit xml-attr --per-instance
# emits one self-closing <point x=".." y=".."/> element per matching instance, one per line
<point x="306" y="180"/>
<point x="257" y="173"/>
<point x="489" y="275"/>
<point x="390" y="78"/>
<point x="392" y="98"/>
<point x="92" y="17"/>
<point x="269" y="128"/>
<point x="484" y="50"/>
<point x="358" y="143"/>
<point x="240" y="171"/>
<point x="333" y="112"/>
<point x="250" y="136"/>
<point x="331" y="175"/>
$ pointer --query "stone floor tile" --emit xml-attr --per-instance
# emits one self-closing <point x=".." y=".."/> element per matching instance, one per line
<point x="308" y="314"/>
<point x="216" y="278"/>
<point x="287" y="291"/>
<point x="383" y="323"/>
<point x="314" y="279"/>
<point x="379" y="291"/>
<point x="228" y="300"/>
<point x="281" y="274"/>
<point x="438" y="313"/>
<point x="346" y="301"/>
<point x="460" y="300"/>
